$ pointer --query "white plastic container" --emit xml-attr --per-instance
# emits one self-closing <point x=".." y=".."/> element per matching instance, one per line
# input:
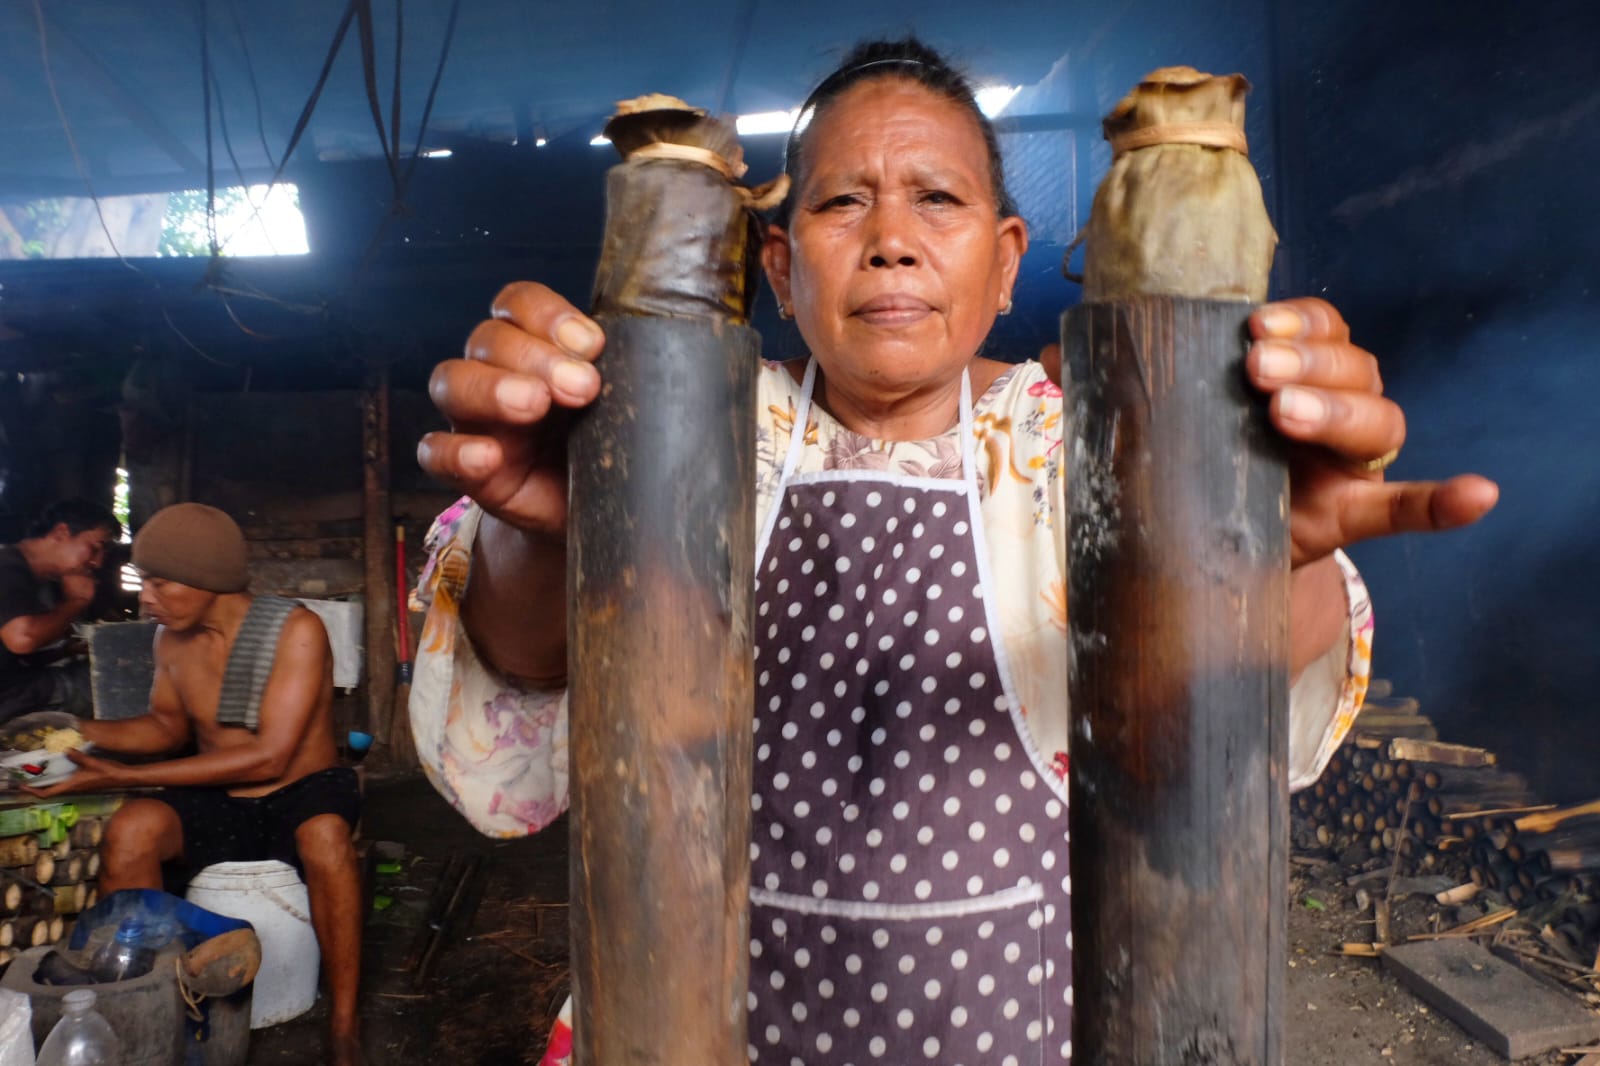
<point x="270" y="896"/>
<point x="16" y="1029"/>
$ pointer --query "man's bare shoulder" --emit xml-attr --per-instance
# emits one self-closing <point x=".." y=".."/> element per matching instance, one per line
<point x="303" y="635"/>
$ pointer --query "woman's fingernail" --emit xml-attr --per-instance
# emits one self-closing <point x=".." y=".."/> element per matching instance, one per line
<point x="1277" y="360"/>
<point x="516" y="394"/>
<point x="577" y="336"/>
<point x="572" y="377"/>
<point x="475" y="457"/>
<point x="1281" y="321"/>
<point x="1301" y="405"/>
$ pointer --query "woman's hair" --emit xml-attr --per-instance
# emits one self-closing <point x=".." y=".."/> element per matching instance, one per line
<point x="912" y="61"/>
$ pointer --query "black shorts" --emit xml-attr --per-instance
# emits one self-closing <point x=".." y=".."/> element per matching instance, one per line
<point x="218" y="827"/>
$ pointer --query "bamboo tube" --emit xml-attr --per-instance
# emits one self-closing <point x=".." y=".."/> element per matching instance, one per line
<point x="18" y="850"/>
<point x="87" y="833"/>
<point x="69" y="869"/>
<point x="91" y="866"/>
<point x="1424" y="751"/>
<point x="660" y="588"/>
<point x="61" y="848"/>
<point x="58" y="928"/>
<point x="71" y="899"/>
<point x="25" y="931"/>
<point x="10" y="898"/>
<point x="1174" y="496"/>
<point x="44" y="868"/>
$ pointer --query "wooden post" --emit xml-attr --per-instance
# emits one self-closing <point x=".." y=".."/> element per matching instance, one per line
<point x="1178" y="607"/>
<point x="378" y="554"/>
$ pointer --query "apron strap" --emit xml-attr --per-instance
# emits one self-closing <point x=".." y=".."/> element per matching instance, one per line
<point x="797" y="432"/>
<point x="968" y="461"/>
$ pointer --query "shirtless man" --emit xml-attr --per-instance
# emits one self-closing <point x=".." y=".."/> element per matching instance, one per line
<point x="273" y="791"/>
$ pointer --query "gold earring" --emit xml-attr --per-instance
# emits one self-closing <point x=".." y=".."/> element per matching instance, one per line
<point x="784" y="312"/>
<point x="1006" y="310"/>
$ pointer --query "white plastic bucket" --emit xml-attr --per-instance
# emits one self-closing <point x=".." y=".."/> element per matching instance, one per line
<point x="270" y="896"/>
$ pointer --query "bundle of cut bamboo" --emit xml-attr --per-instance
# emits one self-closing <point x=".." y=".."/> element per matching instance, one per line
<point x="45" y="884"/>
<point x="1393" y="789"/>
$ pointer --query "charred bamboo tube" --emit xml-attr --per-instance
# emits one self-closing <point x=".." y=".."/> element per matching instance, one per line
<point x="1177" y="600"/>
<point x="1447" y="803"/>
<point x="1177" y="597"/>
<point x="1459" y="779"/>
<point x="660" y="584"/>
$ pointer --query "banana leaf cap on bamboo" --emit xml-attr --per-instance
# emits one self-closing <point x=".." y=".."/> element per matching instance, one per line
<point x="680" y="232"/>
<point x="1181" y="212"/>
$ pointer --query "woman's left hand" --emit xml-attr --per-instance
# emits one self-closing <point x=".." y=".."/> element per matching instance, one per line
<point x="1327" y="395"/>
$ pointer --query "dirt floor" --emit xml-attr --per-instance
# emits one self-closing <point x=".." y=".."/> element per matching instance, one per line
<point x="1348" y="1010"/>
<point x="496" y="983"/>
<point x="492" y="991"/>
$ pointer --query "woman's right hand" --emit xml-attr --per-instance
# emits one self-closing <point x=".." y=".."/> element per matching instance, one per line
<point x="506" y="448"/>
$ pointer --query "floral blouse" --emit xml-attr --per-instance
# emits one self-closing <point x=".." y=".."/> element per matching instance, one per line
<point x="498" y="751"/>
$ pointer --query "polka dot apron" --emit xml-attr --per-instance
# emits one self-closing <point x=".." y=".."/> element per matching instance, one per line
<point x="910" y="892"/>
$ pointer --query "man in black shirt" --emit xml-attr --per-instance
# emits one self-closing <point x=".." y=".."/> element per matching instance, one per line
<point x="46" y="582"/>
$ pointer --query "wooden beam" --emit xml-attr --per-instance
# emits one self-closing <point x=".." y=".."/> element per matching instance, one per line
<point x="378" y="554"/>
<point x="1177" y="496"/>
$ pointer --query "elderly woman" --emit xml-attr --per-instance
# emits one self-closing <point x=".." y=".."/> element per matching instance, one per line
<point x="910" y="888"/>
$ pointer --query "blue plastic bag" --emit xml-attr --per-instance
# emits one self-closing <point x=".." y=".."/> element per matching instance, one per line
<point x="166" y="917"/>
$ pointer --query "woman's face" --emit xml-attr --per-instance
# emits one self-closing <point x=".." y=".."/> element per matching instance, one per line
<point x="896" y="260"/>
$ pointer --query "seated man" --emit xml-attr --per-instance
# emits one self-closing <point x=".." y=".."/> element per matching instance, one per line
<point x="46" y="583"/>
<point x="249" y="680"/>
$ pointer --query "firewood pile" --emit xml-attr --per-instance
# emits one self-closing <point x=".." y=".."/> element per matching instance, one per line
<point x="49" y="861"/>
<point x="1400" y="808"/>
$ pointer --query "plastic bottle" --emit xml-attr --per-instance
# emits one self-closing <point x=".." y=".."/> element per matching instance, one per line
<point x="125" y="956"/>
<point x="82" y="1037"/>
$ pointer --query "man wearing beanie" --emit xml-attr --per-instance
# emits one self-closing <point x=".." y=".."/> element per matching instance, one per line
<point x="249" y="681"/>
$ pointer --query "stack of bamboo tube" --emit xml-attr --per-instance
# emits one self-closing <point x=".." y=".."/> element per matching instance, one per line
<point x="1394" y="788"/>
<point x="44" y="886"/>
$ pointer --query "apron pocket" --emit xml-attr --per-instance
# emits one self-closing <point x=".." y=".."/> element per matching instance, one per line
<point x="856" y="983"/>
